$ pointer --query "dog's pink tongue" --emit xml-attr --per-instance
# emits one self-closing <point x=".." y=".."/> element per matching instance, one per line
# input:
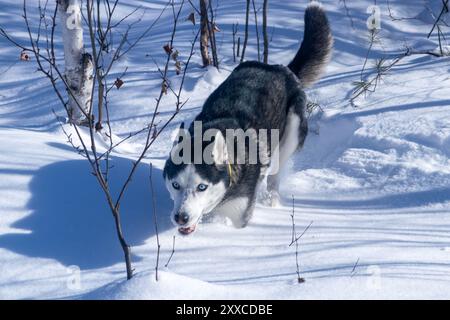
<point x="187" y="231"/>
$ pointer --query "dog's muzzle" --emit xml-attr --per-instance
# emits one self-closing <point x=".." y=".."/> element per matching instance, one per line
<point x="182" y="219"/>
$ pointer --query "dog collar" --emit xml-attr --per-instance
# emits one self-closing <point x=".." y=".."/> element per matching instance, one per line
<point x="230" y="174"/>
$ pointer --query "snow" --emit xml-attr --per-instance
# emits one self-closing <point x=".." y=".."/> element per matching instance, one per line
<point x="373" y="180"/>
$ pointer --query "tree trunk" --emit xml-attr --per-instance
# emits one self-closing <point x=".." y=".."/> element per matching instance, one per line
<point x="247" y="13"/>
<point x="78" y="65"/>
<point x="266" y="40"/>
<point x="238" y="53"/>
<point x="212" y="37"/>
<point x="256" y="30"/>
<point x="234" y="43"/>
<point x="204" y="35"/>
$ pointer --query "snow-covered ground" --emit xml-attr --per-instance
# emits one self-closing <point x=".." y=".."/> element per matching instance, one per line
<point x="373" y="180"/>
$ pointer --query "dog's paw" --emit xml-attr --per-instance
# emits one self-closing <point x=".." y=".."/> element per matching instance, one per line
<point x="270" y="198"/>
<point x="263" y="197"/>
<point x="275" y="200"/>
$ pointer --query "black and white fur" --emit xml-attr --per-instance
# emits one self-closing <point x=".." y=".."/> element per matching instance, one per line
<point x="257" y="96"/>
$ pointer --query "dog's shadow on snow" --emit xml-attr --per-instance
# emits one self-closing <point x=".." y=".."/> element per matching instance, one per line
<point x="71" y="222"/>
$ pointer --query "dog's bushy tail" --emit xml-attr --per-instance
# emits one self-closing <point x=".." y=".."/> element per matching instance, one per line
<point x="317" y="44"/>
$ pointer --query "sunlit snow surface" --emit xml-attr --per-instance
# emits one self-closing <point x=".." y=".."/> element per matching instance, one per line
<point x="373" y="180"/>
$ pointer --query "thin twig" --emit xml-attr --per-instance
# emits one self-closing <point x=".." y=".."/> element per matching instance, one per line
<point x="302" y="234"/>
<point x="155" y="221"/>
<point x="247" y="12"/>
<point x="256" y="29"/>
<point x="296" y="240"/>
<point x="354" y="268"/>
<point x="172" y="253"/>
<point x="443" y="10"/>
<point x="347" y="13"/>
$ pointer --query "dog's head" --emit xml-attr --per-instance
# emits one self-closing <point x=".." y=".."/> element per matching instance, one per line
<point x="196" y="187"/>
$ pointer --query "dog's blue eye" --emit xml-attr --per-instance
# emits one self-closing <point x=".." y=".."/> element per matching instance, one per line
<point x="175" y="185"/>
<point x="202" y="187"/>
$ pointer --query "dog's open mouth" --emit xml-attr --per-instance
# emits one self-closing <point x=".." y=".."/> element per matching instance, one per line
<point x="188" y="230"/>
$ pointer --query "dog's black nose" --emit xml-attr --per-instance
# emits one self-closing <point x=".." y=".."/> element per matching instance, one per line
<point x="181" y="218"/>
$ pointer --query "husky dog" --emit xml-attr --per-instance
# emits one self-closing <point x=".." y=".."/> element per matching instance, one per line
<point x="254" y="96"/>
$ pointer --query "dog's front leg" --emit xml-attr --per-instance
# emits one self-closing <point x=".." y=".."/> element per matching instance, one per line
<point x="239" y="210"/>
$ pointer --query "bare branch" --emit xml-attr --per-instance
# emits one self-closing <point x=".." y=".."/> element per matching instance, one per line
<point x="172" y="253"/>
<point x="155" y="221"/>
<point x="266" y="41"/>
<point x="247" y="12"/>
<point x="255" y="12"/>
<point x="295" y="240"/>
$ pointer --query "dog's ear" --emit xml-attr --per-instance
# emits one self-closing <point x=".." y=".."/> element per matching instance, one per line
<point x="177" y="137"/>
<point x="220" y="152"/>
